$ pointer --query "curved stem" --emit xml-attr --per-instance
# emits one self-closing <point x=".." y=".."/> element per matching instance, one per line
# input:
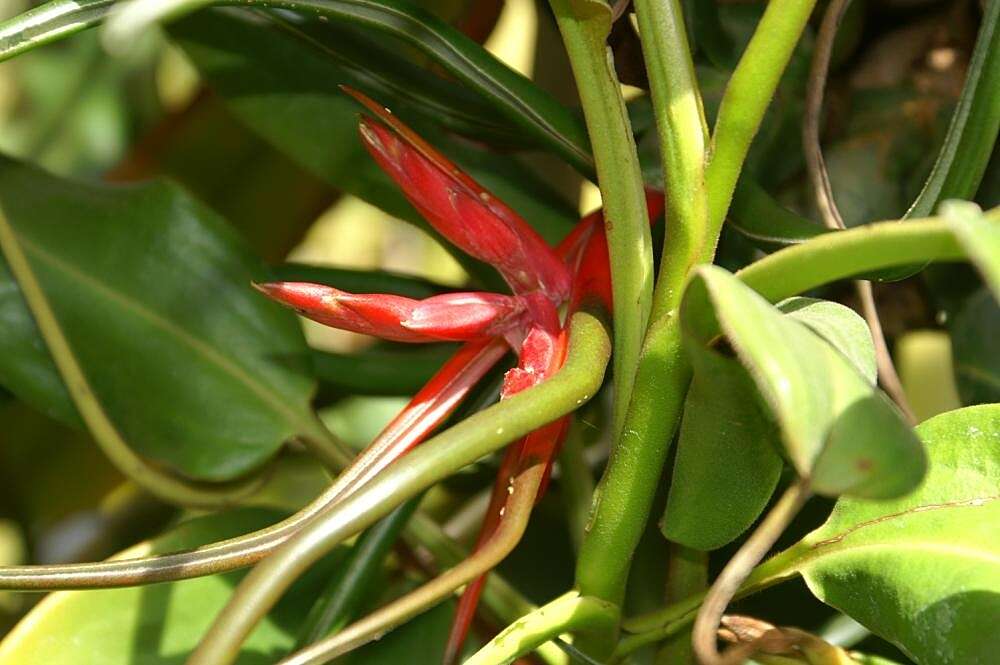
<point x="345" y="591"/>
<point x="436" y="459"/>
<point x="567" y="613"/>
<point x="683" y="132"/>
<point x="585" y="25"/>
<point x="425" y="411"/>
<point x="745" y="101"/>
<point x="706" y="624"/>
<point x="863" y="249"/>
<point x="827" y="204"/>
<point x="509" y="531"/>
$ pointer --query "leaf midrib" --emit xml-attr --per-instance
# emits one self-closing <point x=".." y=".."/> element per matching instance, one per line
<point x="205" y="350"/>
<point x="841" y="546"/>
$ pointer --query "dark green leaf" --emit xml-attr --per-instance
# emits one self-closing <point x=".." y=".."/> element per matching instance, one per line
<point x="972" y="134"/>
<point x="380" y="371"/>
<point x="152" y="293"/>
<point x="975" y="348"/>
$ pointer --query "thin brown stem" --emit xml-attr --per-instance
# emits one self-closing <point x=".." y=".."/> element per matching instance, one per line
<point x="706" y="625"/>
<point x="825" y="201"/>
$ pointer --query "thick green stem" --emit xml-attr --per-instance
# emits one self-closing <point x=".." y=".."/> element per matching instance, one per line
<point x="585" y="25"/>
<point x="683" y="132"/>
<point x="433" y="461"/>
<point x="745" y="101"/>
<point x="576" y="484"/>
<point x="567" y="613"/>
<point x="625" y="494"/>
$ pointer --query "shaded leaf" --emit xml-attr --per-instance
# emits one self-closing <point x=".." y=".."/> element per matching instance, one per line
<point x="160" y="623"/>
<point x="727" y="465"/>
<point x="836" y="427"/>
<point x="975" y="348"/>
<point x="923" y="571"/>
<point x="727" y="462"/>
<point x="151" y="291"/>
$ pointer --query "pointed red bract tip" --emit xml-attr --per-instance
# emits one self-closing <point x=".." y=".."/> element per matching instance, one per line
<point x="461" y="209"/>
<point x="448" y="317"/>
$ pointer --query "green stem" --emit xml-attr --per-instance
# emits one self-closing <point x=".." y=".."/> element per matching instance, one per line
<point x="683" y="131"/>
<point x="669" y="621"/>
<point x="585" y="25"/>
<point x="341" y="599"/>
<point x="625" y="494"/>
<point x="857" y="251"/>
<point x="569" y="612"/>
<point x="687" y="575"/>
<point x="576" y="484"/>
<point x="500" y="600"/>
<point x="433" y="461"/>
<point x="745" y="101"/>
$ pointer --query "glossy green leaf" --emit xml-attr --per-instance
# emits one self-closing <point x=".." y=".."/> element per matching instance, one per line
<point x="25" y="365"/>
<point x="727" y="462"/>
<point x="922" y="571"/>
<point x="151" y="291"/>
<point x="975" y="349"/>
<point x="836" y="428"/>
<point x="979" y="235"/>
<point x="274" y="81"/>
<point x="159" y="623"/>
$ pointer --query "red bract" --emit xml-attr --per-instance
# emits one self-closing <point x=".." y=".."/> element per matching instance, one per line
<point x="462" y="210"/>
<point x="528" y="322"/>
<point x="448" y="317"/>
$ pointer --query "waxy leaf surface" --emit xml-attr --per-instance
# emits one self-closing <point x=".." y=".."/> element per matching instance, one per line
<point x="152" y="292"/>
<point x="922" y="571"/>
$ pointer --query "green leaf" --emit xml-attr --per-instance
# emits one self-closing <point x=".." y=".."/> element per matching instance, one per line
<point x="972" y="133"/>
<point x="151" y="291"/>
<point x="923" y="571"/>
<point x="975" y="348"/>
<point x="837" y="428"/>
<point x="159" y="623"/>
<point x="287" y="89"/>
<point x="979" y="237"/>
<point x="727" y="463"/>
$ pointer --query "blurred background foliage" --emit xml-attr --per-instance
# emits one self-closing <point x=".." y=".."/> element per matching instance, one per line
<point x="78" y="111"/>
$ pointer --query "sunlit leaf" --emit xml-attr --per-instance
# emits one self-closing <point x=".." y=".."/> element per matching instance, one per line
<point x="922" y="571"/>
<point x="837" y="429"/>
<point x="727" y="462"/>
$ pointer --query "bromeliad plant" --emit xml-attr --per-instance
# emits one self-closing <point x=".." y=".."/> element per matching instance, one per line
<point x="127" y="312"/>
